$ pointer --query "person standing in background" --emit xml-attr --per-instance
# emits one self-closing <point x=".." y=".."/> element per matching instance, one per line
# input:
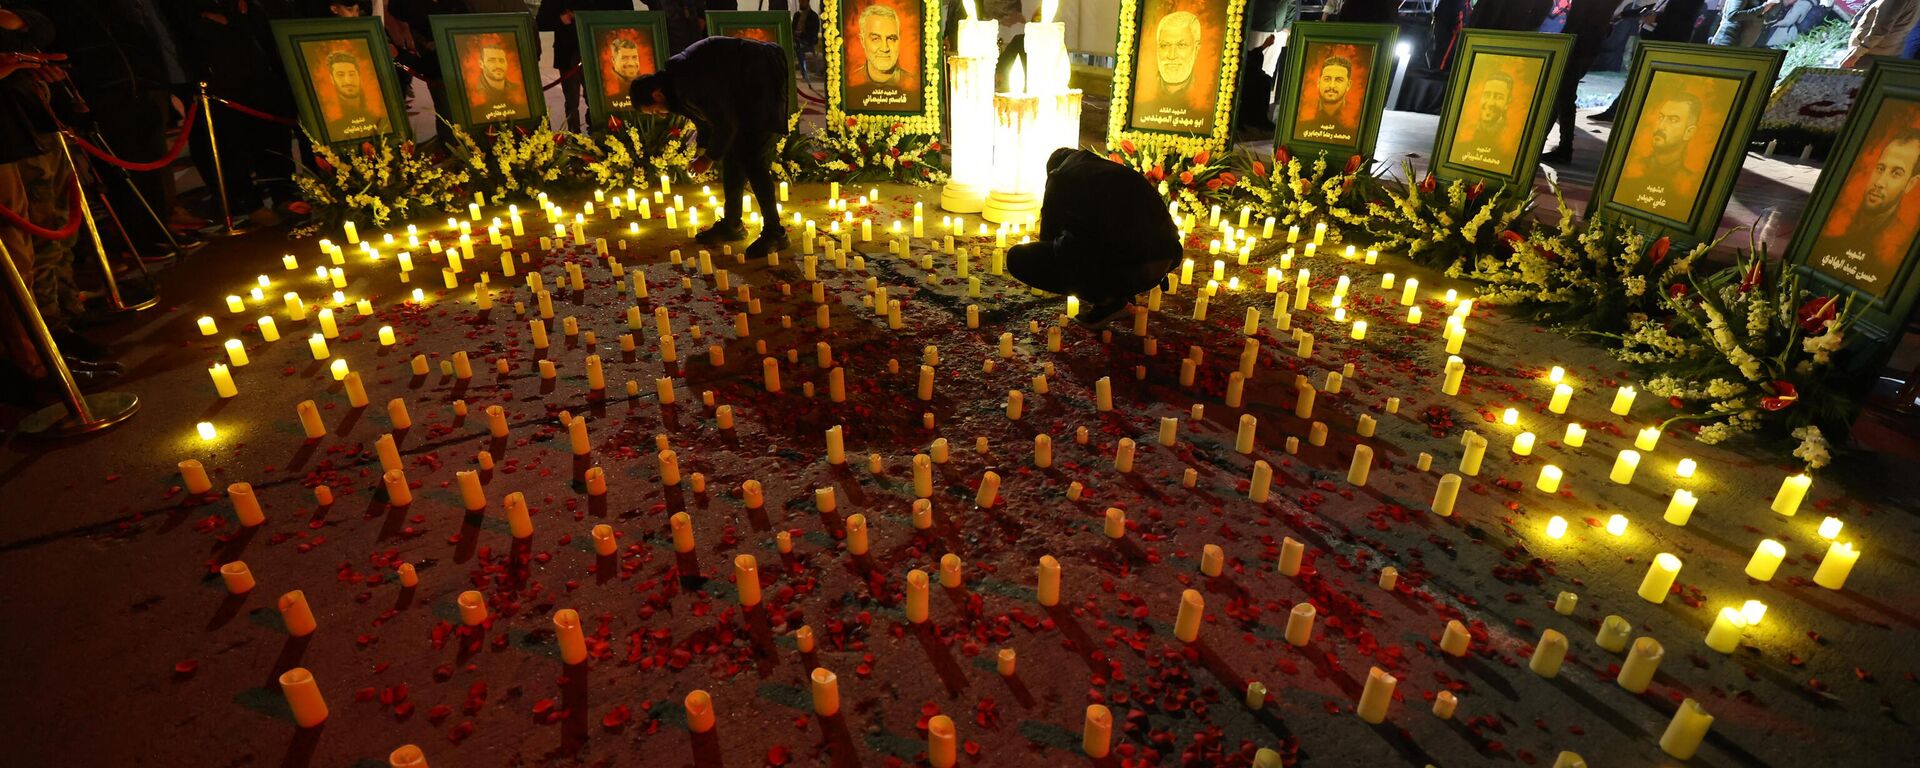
<point x="1673" y="22"/>
<point x="1742" y="22"/>
<point x="237" y="61"/>
<point x="1589" y="21"/>
<point x="556" y="16"/>
<point x="416" y="46"/>
<point x="1881" y="30"/>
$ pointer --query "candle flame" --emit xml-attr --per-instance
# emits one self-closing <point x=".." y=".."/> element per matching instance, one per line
<point x="1048" y="8"/>
<point x="973" y="14"/>
<point x="1017" y="79"/>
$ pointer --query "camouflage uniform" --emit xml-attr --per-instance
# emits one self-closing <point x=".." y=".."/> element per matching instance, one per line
<point x="46" y="179"/>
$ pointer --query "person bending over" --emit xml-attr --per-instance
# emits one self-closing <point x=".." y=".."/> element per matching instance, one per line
<point x="1105" y="235"/>
<point x="734" y="91"/>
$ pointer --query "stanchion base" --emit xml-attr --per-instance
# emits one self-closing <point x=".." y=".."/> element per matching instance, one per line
<point x="962" y="198"/>
<point x="1001" y="208"/>
<point x="107" y="408"/>
<point x="137" y="304"/>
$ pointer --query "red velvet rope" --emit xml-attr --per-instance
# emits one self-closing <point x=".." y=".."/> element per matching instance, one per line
<point x="563" y="78"/>
<point x="179" y="144"/>
<point x="65" y="231"/>
<point x="254" y="113"/>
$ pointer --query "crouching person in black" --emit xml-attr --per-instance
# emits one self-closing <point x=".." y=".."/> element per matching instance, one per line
<point x="734" y="91"/>
<point x="1105" y="235"/>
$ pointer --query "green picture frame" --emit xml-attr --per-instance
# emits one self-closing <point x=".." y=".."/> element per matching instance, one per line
<point x="1145" y="109"/>
<point x="1353" y="126"/>
<point x="1482" y="137"/>
<point x="321" y="56"/>
<point x="922" y="60"/>
<point x="612" y="45"/>
<point x="1868" y="188"/>
<point x="766" y="26"/>
<point x="1670" y="169"/>
<point x="490" y="63"/>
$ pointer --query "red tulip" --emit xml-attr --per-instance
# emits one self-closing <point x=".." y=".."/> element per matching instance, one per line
<point x="1280" y="156"/>
<point x="1784" y="395"/>
<point x="1259" y="169"/>
<point x="1816" y="313"/>
<point x="322" y="163"/>
<point x="933" y="146"/>
<point x="852" y="122"/>
<point x="1353" y="164"/>
<point x="1115" y="156"/>
<point x="1229" y="178"/>
<point x="1213" y="183"/>
<point x="1657" y="252"/>
<point x="1754" y="276"/>
<point x="406" y="148"/>
<point x="1126" y="145"/>
<point x="614" y="123"/>
<point x="1677" y="290"/>
<point x="1429" y="183"/>
<point x="1186" y="178"/>
<point x="366" y="148"/>
<point x="1473" y="192"/>
<point x="1512" y="237"/>
<point x="1202" y="158"/>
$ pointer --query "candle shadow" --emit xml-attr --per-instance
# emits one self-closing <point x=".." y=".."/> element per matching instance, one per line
<point x="469" y="537"/>
<point x="573" y="696"/>
<point x="1324" y="664"/>
<point x="1401" y="740"/>
<point x="757" y="518"/>
<point x="706" y="749"/>
<point x="348" y="422"/>
<point x="290" y="654"/>
<point x="944" y="665"/>
<point x="605" y="568"/>
<point x="1486" y="673"/>
<point x="213" y="409"/>
<point x="597" y="505"/>
<point x="404" y="600"/>
<point x="1620" y="722"/>
<point x="580" y="466"/>
<point x="1077" y="639"/>
<point x="760" y="629"/>
<point x="417" y="381"/>
<point x="838" y="741"/>
<point x="687" y="566"/>
<point x="469" y="639"/>
<point x="300" y="750"/>
<point x="230" y="549"/>
<point x="229" y="608"/>
<point x="1480" y="744"/>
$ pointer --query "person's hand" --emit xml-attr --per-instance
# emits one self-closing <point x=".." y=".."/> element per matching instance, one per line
<point x="15" y="62"/>
<point x="566" y="17"/>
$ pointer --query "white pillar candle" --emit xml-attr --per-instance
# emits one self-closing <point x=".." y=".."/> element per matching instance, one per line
<point x="1680" y="507"/>
<point x="1792" y="491"/>
<point x="1834" y="568"/>
<point x="1549" y="481"/>
<point x="1623" y="467"/>
<point x="1622" y="401"/>
<point x="1659" y="579"/>
<point x="1562" y="395"/>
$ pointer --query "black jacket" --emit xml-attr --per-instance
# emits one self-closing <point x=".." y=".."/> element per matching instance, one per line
<point x="732" y="88"/>
<point x="566" y="38"/>
<point x="23" y="115"/>
<point x="1105" y="210"/>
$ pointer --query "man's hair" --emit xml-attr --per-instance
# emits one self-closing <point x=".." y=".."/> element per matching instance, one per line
<point x="1693" y="104"/>
<point x="1905" y="137"/>
<point x="622" y="44"/>
<point x="1499" y="77"/>
<point x="342" y="57"/>
<point x="1177" y="20"/>
<point x="877" y="11"/>
<point x="1337" y="60"/>
<point x="491" y="44"/>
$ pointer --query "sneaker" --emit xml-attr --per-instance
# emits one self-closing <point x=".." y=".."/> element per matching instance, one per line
<point x="769" y="241"/>
<point x="722" y="232"/>
<point x="1559" y="154"/>
<point x="1102" y="313"/>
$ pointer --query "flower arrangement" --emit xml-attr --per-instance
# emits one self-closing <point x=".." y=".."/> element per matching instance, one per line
<point x="1752" y="350"/>
<point x="1446" y="228"/>
<point x="634" y="154"/>
<point x="1600" y="274"/>
<point x="1197" y="181"/>
<point x="1294" y="192"/>
<point x="515" y="162"/>
<point x="853" y="151"/>
<point x="384" y="181"/>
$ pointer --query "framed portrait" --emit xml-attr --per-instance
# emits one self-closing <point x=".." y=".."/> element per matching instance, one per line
<point x="1177" y="72"/>
<point x="342" y="83"/>
<point x="1684" y="119"/>
<point x="1499" y="105"/>
<point x="1334" y="86"/>
<point x="616" y="48"/>
<point x="883" y="62"/>
<point x="765" y="26"/>
<point x="1861" y="231"/>
<point x="492" y="68"/>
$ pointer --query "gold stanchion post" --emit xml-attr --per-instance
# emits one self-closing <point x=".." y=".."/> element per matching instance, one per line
<point x="219" y="173"/>
<point x="81" y="413"/>
<point x="93" y="231"/>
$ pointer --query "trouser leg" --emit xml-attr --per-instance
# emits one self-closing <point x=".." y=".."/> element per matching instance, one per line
<point x="759" y="171"/>
<point x="14" y="341"/>
<point x="733" y="182"/>
<point x="47" y="179"/>
<point x="570" y="94"/>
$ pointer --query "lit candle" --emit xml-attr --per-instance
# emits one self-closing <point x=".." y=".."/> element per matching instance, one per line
<point x="1562" y="395"/>
<point x="1445" y="495"/>
<point x="1647" y="438"/>
<point x="1549" y="481"/>
<point x="237" y="578"/>
<point x="1548" y="654"/>
<point x="700" y="716"/>
<point x="1556" y="527"/>
<point x="1688" y="728"/>
<point x="1096" y="739"/>
<point x="1614" y="633"/>
<point x="1376" y="696"/>
<point x="1361" y="466"/>
<point x="1456" y="370"/>
<point x="942" y="746"/>
<point x="1793" y="489"/>
<point x="1576" y="435"/>
<point x="1455" y="638"/>
<point x="1680" y="507"/>
<point x="1523" y="444"/>
<point x="1291" y="553"/>
<point x="1830" y="528"/>
<point x="1186" y="626"/>
<point x="223" y="381"/>
<point x="1834" y="568"/>
<point x="1659" y="579"/>
<point x="297" y="684"/>
<point x="1623" y="467"/>
<point x="1047" y="592"/>
<point x="746" y="575"/>
<point x="1617" y="525"/>
<point x="1622" y="401"/>
<point x="1728" y="626"/>
<point x="1300" y="625"/>
<point x="1642" y="661"/>
<point x="826" y="690"/>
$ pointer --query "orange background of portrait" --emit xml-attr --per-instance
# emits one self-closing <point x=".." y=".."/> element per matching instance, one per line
<point x="1716" y="96"/>
<point x="762" y="34"/>
<point x="1524" y="71"/>
<point x="643" y="38"/>
<point x="468" y="47"/>
<point x="1894" y="118"/>
<point x="1361" y="80"/>
<point x="1206" y="61"/>
<point x="911" y="21"/>
<point x="315" y="53"/>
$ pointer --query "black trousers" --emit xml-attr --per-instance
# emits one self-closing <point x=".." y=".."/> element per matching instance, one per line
<point x="1041" y="265"/>
<point x="749" y="162"/>
<point x="1563" y="102"/>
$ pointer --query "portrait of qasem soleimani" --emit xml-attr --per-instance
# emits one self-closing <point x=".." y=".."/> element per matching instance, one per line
<point x="491" y="76"/>
<point x="1176" y="71"/>
<point x="1333" y="93"/>
<point x="1673" y="143"/>
<point x="348" y="100"/>
<point x="883" y="57"/>
<point x="1876" y="214"/>
<point x="1498" y="99"/>
<point x="624" y="54"/>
